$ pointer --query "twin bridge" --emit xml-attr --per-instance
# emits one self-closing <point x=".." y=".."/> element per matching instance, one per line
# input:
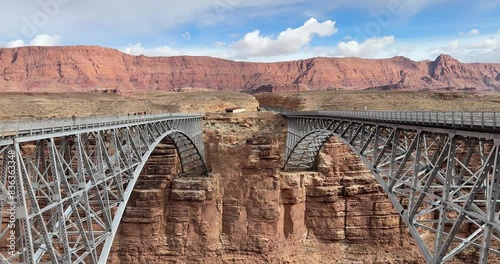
<point x="65" y="184"/>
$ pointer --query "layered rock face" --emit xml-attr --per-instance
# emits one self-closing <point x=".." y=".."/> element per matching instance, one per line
<point x="358" y="209"/>
<point x="168" y="218"/>
<point x="249" y="164"/>
<point x="87" y="68"/>
<point x="250" y="211"/>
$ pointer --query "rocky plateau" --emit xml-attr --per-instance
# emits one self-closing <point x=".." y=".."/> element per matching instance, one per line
<point x="91" y="68"/>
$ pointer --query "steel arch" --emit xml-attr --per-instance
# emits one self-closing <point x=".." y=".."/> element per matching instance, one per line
<point x="69" y="185"/>
<point x="440" y="180"/>
<point x="121" y="208"/>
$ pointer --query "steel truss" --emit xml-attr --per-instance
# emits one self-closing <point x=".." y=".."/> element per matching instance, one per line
<point x="69" y="187"/>
<point x="444" y="182"/>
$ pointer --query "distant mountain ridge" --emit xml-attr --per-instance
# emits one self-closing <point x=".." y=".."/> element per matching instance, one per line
<point x="89" y="68"/>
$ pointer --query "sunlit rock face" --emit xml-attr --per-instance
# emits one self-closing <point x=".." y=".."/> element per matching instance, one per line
<point x="249" y="211"/>
<point x="89" y="68"/>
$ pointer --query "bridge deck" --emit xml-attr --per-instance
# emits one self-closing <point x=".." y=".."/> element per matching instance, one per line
<point x="476" y="121"/>
<point x="439" y="169"/>
<point x="70" y="179"/>
<point x="23" y="128"/>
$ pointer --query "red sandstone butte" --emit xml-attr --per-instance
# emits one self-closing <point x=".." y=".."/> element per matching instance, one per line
<point x="87" y="68"/>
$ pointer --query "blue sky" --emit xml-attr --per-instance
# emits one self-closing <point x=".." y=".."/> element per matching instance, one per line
<point x="261" y="30"/>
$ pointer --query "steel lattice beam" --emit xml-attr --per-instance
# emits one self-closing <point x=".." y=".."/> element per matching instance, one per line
<point x="442" y="175"/>
<point x="69" y="183"/>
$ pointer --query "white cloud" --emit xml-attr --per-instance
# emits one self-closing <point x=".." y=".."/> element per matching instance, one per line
<point x="455" y="44"/>
<point x="479" y="48"/>
<point x="137" y="49"/>
<point x="405" y="49"/>
<point x="186" y="36"/>
<point x="287" y="42"/>
<point x="487" y="56"/>
<point x="486" y="49"/>
<point x="45" y="40"/>
<point x="220" y="44"/>
<point x="15" y="44"/>
<point x="473" y="32"/>
<point x="27" y="18"/>
<point x="91" y="22"/>
<point x="370" y="48"/>
<point x="488" y="43"/>
<point x="39" y="40"/>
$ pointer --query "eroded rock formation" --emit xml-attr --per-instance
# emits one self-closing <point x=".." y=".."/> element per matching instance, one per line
<point x="88" y="68"/>
<point x="169" y="218"/>
<point x="252" y="212"/>
<point x="249" y="211"/>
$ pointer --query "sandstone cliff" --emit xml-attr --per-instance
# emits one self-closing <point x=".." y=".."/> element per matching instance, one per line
<point x="87" y="68"/>
<point x="250" y="211"/>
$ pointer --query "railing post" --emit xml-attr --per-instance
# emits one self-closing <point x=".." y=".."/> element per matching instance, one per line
<point x="482" y="119"/>
<point x="471" y="119"/>
<point x="494" y="120"/>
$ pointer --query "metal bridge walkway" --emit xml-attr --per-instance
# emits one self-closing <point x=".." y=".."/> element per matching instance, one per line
<point x="439" y="169"/>
<point x="65" y="184"/>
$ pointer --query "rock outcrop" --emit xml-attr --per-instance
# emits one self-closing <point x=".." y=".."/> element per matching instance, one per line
<point x="89" y="68"/>
<point x="169" y="218"/>
<point x="252" y="212"/>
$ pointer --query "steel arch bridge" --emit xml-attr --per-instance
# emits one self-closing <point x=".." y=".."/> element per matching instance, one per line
<point x="440" y="170"/>
<point x="65" y="184"/>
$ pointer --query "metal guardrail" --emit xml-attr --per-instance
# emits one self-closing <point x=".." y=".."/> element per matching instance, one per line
<point x="44" y="126"/>
<point x="449" y="119"/>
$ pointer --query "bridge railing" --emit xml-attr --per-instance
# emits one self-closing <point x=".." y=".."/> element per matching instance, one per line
<point x="451" y="119"/>
<point x="41" y="126"/>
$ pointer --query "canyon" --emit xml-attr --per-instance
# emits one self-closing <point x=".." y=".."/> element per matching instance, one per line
<point x="92" y="68"/>
<point x="250" y="211"/>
